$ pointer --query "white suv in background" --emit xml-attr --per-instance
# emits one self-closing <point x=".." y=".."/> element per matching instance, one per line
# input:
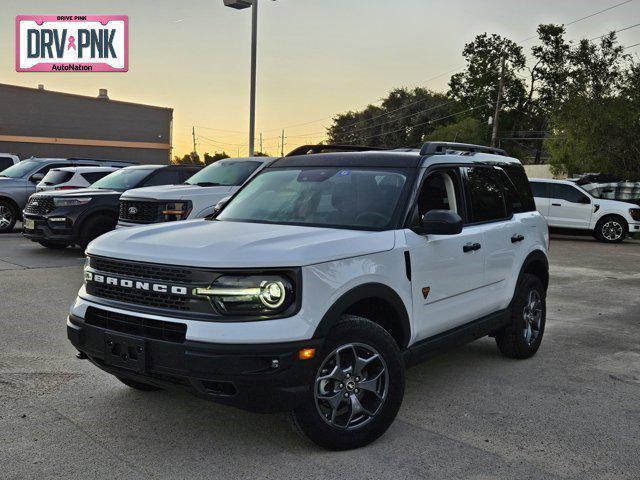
<point x="7" y="160"/>
<point x="196" y="198"/>
<point x="70" y="178"/>
<point x="568" y="207"/>
<point x="319" y="281"/>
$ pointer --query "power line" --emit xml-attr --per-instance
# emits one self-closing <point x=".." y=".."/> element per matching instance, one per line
<point x="615" y="31"/>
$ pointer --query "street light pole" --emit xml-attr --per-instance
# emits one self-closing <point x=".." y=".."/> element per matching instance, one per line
<point x="252" y="99"/>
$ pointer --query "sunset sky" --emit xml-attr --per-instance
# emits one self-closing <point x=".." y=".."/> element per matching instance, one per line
<point x="316" y="57"/>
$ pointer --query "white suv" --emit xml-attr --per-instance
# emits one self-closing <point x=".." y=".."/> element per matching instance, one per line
<point x="319" y="282"/>
<point x="71" y="178"/>
<point x="568" y="207"/>
<point x="196" y="198"/>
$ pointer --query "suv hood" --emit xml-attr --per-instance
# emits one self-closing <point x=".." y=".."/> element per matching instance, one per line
<point x="6" y="182"/>
<point x="216" y="244"/>
<point x="176" y="192"/>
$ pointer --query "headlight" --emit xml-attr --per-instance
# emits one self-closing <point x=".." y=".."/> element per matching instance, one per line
<point x="635" y="214"/>
<point x="70" y="202"/>
<point x="176" y="211"/>
<point x="251" y="294"/>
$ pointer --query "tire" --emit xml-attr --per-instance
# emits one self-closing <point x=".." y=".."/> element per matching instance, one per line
<point x="523" y="336"/>
<point x="53" y="245"/>
<point x="143" y="387"/>
<point x="94" y="227"/>
<point x="8" y="216"/>
<point x="376" y="385"/>
<point x="611" y="229"/>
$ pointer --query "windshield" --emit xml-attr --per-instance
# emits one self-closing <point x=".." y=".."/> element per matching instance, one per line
<point x="224" y="172"/>
<point x="124" y="179"/>
<point x="21" y="169"/>
<point x="359" y="198"/>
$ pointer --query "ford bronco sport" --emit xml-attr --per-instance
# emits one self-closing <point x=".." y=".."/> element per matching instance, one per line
<point x="319" y="282"/>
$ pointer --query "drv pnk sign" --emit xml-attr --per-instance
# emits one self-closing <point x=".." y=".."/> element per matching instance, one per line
<point x="72" y="43"/>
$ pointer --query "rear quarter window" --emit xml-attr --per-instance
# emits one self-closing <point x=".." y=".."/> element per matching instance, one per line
<point x="522" y="197"/>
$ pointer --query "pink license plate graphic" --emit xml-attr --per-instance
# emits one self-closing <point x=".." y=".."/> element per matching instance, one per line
<point x="72" y="43"/>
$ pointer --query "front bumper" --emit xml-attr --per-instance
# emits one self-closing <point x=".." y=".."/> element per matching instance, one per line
<point x="261" y="378"/>
<point x="46" y="230"/>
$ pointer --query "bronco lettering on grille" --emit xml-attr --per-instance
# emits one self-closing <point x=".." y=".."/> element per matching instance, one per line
<point x="135" y="284"/>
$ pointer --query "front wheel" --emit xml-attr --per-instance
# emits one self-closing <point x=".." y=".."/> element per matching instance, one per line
<point x="522" y="337"/>
<point x="8" y="216"/>
<point x="611" y="229"/>
<point x="357" y="389"/>
<point x="94" y="227"/>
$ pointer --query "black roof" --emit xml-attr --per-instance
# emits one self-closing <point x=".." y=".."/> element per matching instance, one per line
<point x="380" y="159"/>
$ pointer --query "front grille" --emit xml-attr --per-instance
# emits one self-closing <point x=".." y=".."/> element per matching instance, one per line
<point x="142" y="270"/>
<point x="138" y="326"/>
<point x="139" y="297"/>
<point x="40" y="205"/>
<point x="139" y="212"/>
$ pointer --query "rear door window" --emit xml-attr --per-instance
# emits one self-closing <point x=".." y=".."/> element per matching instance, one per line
<point x="486" y="195"/>
<point x="518" y="188"/>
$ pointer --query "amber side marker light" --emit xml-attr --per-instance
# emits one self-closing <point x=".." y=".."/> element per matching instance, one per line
<point x="306" y="353"/>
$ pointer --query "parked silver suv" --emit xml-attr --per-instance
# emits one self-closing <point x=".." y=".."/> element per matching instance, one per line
<point x="18" y="182"/>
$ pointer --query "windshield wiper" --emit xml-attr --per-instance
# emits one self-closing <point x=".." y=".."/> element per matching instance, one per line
<point x="207" y="184"/>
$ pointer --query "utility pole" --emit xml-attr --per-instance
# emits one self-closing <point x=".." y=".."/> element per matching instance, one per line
<point x="193" y="132"/>
<point x="252" y="99"/>
<point x="494" y="134"/>
<point x="282" y="144"/>
<point x="261" y="150"/>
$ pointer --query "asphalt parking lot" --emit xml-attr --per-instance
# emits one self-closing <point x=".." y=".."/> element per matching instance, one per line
<point x="571" y="412"/>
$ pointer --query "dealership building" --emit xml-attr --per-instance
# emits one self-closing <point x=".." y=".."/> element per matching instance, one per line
<point x="41" y="123"/>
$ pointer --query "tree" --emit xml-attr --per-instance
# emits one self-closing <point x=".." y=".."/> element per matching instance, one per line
<point x="467" y="130"/>
<point x="209" y="159"/>
<point x="188" y="159"/>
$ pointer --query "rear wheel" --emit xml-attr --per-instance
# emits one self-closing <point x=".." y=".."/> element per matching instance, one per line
<point x="357" y="389"/>
<point x="611" y="229"/>
<point x="143" y="387"/>
<point x="94" y="227"/>
<point x="522" y="337"/>
<point x="8" y="216"/>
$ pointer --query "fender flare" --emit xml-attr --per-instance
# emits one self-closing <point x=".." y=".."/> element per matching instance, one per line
<point x="84" y="216"/>
<point x="535" y="256"/>
<point x="362" y="292"/>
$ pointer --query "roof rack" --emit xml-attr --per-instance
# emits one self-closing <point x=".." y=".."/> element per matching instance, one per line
<point x="102" y="160"/>
<point x="313" y="149"/>
<point x="440" y="148"/>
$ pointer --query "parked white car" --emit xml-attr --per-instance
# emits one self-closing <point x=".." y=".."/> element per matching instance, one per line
<point x="7" y="160"/>
<point x="319" y="281"/>
<point x="567" y="206"/>
<point x="69" y="178"/>
<point x="196" y="198"/>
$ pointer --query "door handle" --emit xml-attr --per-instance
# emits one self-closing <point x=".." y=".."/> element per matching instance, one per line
<point x="471" y="247"/>
<point x="556" y="204"/>
<point x="517" y="238"/>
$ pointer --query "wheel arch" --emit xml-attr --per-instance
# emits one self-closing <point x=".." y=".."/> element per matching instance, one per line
<point x="373" y="301"/>
<point x="78" y="225"/>
<point x="536" y="264"/>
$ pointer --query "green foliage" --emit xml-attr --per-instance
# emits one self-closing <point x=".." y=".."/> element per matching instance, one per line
<point x="209" y="159"/>
<point x="467" y="130"/>
<point x="188" y="159"/>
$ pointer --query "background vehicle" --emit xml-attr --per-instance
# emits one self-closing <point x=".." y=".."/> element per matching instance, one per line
<point x="318" y="281"/>
<point x="69" y="178"/>
<point x="57" y="219"/>
<point x="196" y="198"/>
<point x="7" y="160"/>
<point x="18" y="182"/>
<point x="569" y="207"/>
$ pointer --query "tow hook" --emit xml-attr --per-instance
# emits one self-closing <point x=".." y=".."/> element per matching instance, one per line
<point x="81" y="356"/>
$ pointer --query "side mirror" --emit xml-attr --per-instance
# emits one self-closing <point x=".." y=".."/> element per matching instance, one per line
<point x="439" y="222"/>
<point x="37" y="177"/>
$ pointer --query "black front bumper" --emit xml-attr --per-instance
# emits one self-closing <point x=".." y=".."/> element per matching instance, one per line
<point x="62" y="232"/>
<point x="261" y="378"/>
